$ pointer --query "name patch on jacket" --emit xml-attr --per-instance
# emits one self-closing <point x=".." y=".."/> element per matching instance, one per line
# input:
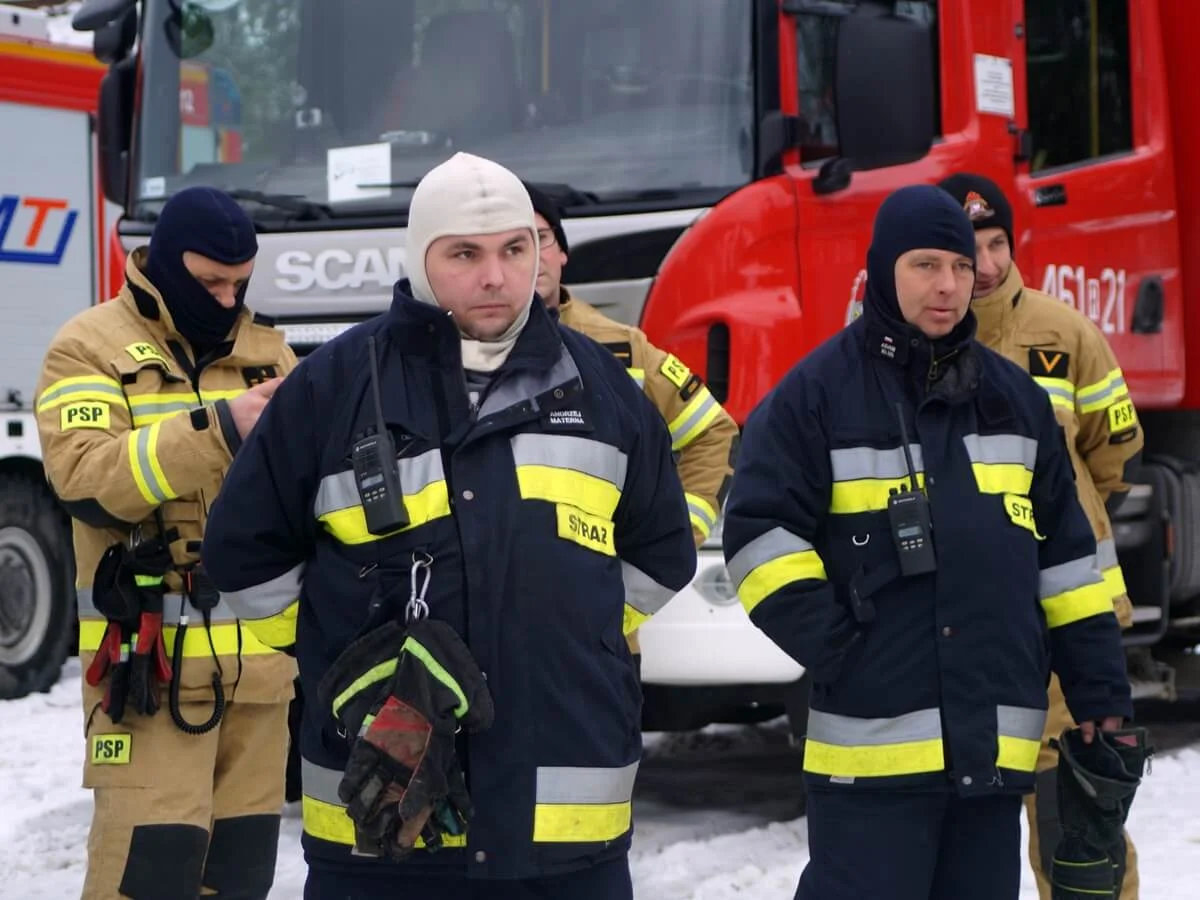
<point x="1046" y="363"/>
<point x="111" y="749"/>
<point x="586" y="530"/>
<point x="567" y="420"/>
<point x="1020" y="513"/>
<point x="255" y="375"/>
<point x="85" y="414"/>
<point x="143" y="352"/>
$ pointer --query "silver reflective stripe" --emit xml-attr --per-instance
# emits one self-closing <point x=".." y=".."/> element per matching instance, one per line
<point x="1096" y="394"/>
<point x="680" y="431"/>
<point x="854" y="463"/>
<point x="1067" y="577"/>
<point x="1106" y="553"/>
<point x="221" y="612"/>
<point x="321" y="783"/>
<point x="848" y="731"/>
<point x="570" y="784"/>
<point x="775" y="543"/>
<point x="155" y="409"/>
<point x="87" y="389"/>
<point x="267" y="599"/>
<point x="1002" y="448"/>
<point x="524" y="387"/>
<point x="642" y="592"/>
<point x="1020" y="722"/>
<point x="145" y="467"/>
<point x="339" y="491"/>
<point x="701" y="512"/>
<point x="568" y="451"/>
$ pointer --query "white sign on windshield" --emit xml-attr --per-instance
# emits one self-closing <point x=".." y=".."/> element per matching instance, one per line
<point x="359" y="173"/>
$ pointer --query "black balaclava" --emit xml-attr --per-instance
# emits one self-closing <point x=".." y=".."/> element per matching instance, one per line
<point x="208" y="222"/>
<point x="918" y="217"/>
<point x="983" y="201"/>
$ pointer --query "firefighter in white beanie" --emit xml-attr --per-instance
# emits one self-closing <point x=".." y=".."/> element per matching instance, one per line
<point x="457" y="594"/>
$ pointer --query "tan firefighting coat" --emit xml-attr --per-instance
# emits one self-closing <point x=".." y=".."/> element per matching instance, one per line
<point x="1068" y="356"/>
<point x="703" y="435"/>
<point x="124" y="432"/>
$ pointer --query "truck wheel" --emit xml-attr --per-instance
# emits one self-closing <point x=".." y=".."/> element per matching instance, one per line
<point x="37" y="596"/>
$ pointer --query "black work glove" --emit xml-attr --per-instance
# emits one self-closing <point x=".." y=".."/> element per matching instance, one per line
<point x="149" y="669"/>
<point x="1096" y="786"/>
<point x="402" y="695"/>
<point x="115" y="595"/>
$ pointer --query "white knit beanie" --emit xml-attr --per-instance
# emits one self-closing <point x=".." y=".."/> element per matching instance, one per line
<point x="464" y="195"/>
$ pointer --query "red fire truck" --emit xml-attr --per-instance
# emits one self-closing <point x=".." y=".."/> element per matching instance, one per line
<point x="720" y="162"/>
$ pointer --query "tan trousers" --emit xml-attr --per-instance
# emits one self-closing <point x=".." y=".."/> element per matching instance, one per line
<point x="179" y="816"/>
<point x="1058" y="720"/>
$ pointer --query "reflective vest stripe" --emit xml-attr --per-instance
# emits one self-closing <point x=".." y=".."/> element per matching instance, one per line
<point x="643" y="596"/>
<point x="425" y="497"/>
<point x="863" y="477"/>
<point x="694" y="419"/>
<point x="1105" y="392"/>
<point x="1061" y="391"/>
<point x="227" y="639"/>
<point x="1072" y="591"/>
<point x="576" y="471"/>
<point x="146" y="467"/>
<point x="583" y="805"/>
<point x="270" y="609"/>
<point x="1002" y="463"/>
<point x="700" y="511"/>
<point x="80" y="387"/>
<point x="770" y="562"/>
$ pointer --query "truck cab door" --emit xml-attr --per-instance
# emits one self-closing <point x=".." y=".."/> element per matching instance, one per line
<point x="1096" y="187"/>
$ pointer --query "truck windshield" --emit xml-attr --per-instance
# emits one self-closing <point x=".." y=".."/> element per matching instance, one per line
<point x="343" y="105"/>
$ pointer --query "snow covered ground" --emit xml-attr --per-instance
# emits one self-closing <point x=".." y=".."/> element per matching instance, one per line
<point x="695" y="844"/>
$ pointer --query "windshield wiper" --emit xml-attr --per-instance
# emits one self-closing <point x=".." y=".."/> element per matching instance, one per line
<point x="303" y="210"/>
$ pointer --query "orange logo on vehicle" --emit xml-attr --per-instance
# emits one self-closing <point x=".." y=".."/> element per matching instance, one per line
<point x="976" y="207"/>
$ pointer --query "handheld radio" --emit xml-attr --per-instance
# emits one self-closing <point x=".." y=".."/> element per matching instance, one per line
<point x="912" y="524"/>
<point x="376" y="470"/>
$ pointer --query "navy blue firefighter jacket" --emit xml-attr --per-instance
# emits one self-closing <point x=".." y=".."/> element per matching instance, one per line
<point x="935" y="681"/>
<point x="556" y="523"/>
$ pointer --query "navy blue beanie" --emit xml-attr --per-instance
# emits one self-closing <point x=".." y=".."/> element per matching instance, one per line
<point x="209" y="222"/>
<point x="919" y="217"/>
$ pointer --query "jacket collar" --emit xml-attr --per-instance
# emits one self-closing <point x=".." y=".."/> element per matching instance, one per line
<point x="994" y="312"/>
<point x="907" y="346"/>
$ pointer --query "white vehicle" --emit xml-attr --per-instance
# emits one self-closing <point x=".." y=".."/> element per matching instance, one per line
<point x="51" y="225"/>
<point x="322" y="116"/>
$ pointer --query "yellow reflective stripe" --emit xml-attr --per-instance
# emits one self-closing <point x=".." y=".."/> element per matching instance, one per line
<point x="1076" y="604"/>
<point x="633" y="619"/>
<point x="207" y="396"/>
<point x="701" y="513"/>
<point x="439" y="672"/>
<point x="79" y="387"/>
<point x="1019" y="737"/>
<point x="278" y="630"/>
<point x="147" y="409"/>
<point x="638" y="375"/>
<point x="1018" y="754"/>
<point x="1002" y="463"/>
<point x="329" y="822"/>
<point x="195" y="643"/>
<point x="1102" y="393"/>
<point x="866" y="495"/>
<point x="694" y="420"/>
<point x="1002" y="478"/>
<point x="1061" y="391"/>
<point x="373" y="675"/>
<point x="770" y="562"/>
<point x="765" y="580"/>
<point x="147" y="470"/>
<point x="877" y="761"/>
<point x="863" y="477"/>
<point x="564" y="823"/>
<point x="349" y="525"/>
<point x="593" y="495"/>
<point x="1114" y="580"/>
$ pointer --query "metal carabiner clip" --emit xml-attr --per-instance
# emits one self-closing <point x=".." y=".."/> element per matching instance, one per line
<point x="417" y="608"/>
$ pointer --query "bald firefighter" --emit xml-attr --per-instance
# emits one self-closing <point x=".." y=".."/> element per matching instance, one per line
<point x="1068" y="356"/>
<point x="141" y="405"/>
<point x="703" y="436"/>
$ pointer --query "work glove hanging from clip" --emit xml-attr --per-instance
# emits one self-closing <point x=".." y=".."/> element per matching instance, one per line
<point x="149" y="669"/>
<point x="401" y="694"/>
<point x="115" y="597"/>
<point x="1096" y="786"/>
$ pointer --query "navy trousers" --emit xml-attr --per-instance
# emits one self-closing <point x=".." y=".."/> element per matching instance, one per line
<point x="911" y="846"/>
<point x="607" y="881"/>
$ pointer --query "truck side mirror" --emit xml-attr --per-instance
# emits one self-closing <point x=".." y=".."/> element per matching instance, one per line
<point x="114" y="128"/>
<point x="884" y="90"/>
<point x="111" y="43"/>
<point x="95" y="14"/>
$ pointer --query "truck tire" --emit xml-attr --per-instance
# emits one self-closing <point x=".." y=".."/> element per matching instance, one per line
<point x="37" y="594"/>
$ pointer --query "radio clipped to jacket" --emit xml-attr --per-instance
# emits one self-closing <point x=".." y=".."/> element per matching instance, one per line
<point x="376" y="471"/>
<point x="909" y="515"/>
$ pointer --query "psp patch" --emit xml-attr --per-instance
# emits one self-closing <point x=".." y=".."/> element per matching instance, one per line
<point x="111" y="749"/>
<point x="143" y="352"/>
<point x="675" y="371"/>
<point x="1047" y="363"/>
<point x="85" y="414"/>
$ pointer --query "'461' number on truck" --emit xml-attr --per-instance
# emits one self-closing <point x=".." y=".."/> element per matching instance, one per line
<point x="1100" y="299"/>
